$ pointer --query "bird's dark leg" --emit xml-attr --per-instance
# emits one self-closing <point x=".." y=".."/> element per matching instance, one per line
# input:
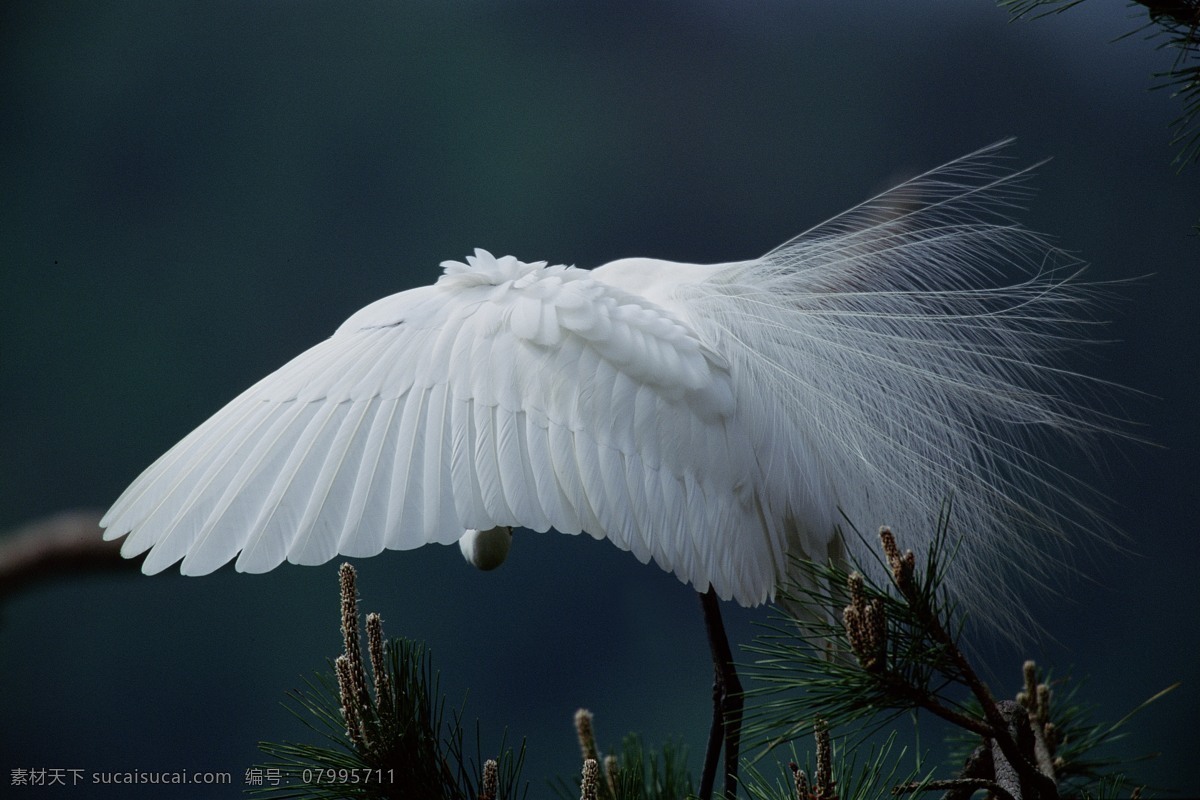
<point x="727" y="703"/>
<point x="712" y="752"/>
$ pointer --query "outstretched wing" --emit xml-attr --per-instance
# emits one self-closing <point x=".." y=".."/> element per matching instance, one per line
<point x="505" y="394"/>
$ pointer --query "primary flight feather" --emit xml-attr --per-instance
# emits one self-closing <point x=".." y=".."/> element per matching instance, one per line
<point x="717" y="419"/>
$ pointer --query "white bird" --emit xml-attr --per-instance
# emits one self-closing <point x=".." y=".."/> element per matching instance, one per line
<point x="716" y="419"/>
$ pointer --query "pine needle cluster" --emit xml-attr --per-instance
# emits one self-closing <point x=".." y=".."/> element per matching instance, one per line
<point x="634" y="772"/>
<point x="894" y="649"/>
<point x="888" y="652"/>
<point x="897" y="648"/>
<point x="1083" y="751"/>
<point x="831" y="774"/>
<point x="1175" y="25"/>
<point x="387" y="737"/>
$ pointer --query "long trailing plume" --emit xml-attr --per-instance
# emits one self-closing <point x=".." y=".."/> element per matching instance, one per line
<point x="896" y="341"/>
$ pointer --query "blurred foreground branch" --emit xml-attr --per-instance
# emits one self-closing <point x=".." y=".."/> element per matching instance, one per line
<point x="55" y="546"/>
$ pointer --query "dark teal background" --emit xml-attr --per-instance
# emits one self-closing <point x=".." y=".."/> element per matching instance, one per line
<point x="193" y="193"/>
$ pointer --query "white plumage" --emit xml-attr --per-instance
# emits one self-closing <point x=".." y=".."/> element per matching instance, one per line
<point x="716" y="419"/>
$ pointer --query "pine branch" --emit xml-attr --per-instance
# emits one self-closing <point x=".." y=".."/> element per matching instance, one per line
<point x="897" y="649"/>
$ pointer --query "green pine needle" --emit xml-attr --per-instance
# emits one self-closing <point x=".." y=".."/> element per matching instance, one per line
<point x="807" y="668"/>
<point x="642" y="773"/>
<point x="1177" y="27"/>
<point x="880" y="772"/>
<point x="412" y="752"/>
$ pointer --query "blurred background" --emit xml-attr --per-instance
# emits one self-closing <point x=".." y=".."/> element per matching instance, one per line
<point x="194" y="192"/>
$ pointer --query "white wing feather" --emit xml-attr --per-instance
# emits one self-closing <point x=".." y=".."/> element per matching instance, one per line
<point x="507" y="394"/>
<point x="714" y="419"/>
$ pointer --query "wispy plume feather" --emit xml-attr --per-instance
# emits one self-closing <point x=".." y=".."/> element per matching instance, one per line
<point x="912" y="345"/>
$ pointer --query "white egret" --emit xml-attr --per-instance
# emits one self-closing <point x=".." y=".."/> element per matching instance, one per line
<point x="717" y="419"/>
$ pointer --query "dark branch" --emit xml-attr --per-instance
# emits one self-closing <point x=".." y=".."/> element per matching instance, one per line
<point x="969" y="785"/>
<point x="55" y="546"/>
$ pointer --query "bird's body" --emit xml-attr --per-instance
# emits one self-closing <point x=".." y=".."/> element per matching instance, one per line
<point x="718" y="420"/>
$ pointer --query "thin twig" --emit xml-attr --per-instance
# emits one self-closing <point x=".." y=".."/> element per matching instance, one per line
<point x="996" y="721"/>
<point x="919" y="697"/>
